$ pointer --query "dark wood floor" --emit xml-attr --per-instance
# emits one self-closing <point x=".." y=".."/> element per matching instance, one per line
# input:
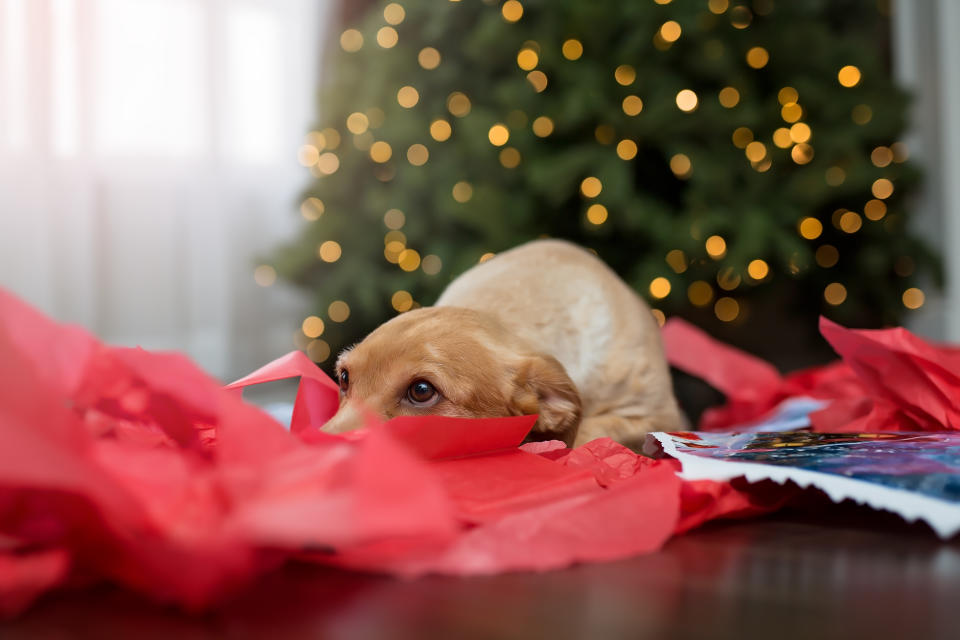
<point x="813" y="572"/>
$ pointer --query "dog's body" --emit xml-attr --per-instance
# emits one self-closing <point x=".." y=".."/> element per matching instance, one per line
<point x="543" y="328"/>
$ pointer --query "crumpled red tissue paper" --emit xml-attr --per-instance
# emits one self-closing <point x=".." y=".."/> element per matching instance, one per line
<point x="136" y="468"/>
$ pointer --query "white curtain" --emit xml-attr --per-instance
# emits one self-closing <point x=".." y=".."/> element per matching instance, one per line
<point x="147" y="156"/>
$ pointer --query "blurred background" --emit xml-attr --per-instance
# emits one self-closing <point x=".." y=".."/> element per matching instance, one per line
<point x="237" y="178"/>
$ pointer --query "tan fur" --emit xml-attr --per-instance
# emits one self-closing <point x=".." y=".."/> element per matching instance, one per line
<point x="543" y="328"/>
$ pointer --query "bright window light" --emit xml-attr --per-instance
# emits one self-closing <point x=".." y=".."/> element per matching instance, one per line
<point x="15" y="73"/>
<point x="64" y="108"/>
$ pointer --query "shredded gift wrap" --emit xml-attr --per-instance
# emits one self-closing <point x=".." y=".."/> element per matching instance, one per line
<point x="136" y="468"/>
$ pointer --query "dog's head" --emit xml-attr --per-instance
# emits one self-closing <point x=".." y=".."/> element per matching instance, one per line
<point x="454" y="362"/>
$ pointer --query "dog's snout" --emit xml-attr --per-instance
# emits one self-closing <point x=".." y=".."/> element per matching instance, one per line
<point x="351" y="415"/>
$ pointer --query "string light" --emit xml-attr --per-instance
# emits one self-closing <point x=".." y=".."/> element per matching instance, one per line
<point x="849" y="76"/>
<point x="597" y="214"/>
<point x="728" y="279"/>
<point x="875" y="209"/>
<point x="511" y="10"/>
<point x="485" y="257"/>
<point x="827" y="256"/>
<point x="627" y="149"/>
<point x="788" y="95"/>
<point x="742" y="136"/>
<point x="357" y="122"/>
<point x="429" y="58"/>
<point x="440" y="130"/>
<point x="810" y="228"/>
<point x="781" y="138"/>
<point x="755" y="151"/>
<point x="351" y="41"/>
<point x="338" y="311"/>
<point x="659" y="287"/>
<point x="380" y="151"/>
<point x="658" y="316"/>
<point x="331" y="137"/>
<point x="393" y="13"/>
<point x="913" y="298"/>
<point x="462" y="191"/>
<point x="328" y="163"/>
<point x="572" y="49"/>
<point x="700" y="293"/>
<point x="364" y="141"/>
<point x="850" y="222"/>
<point x="308" y="155"/>
<point x="882" y="188"/>
<point x="687" y="100"/>
<point x="409" y="259"/>
<point x="670" y="31"/>
<point x="375" y="116"/>
<point x="677" y="260"/>
<point x="431" y="264"/>
<point x="625" y="74"/>
<point x="387" y="37"/>
<point x="718" y="6"/>
<point x="395" y="236"/>
<point x="791" y="112"/>
<point x="329" y="251"/>
<point x="591" y="186"/>
<point x="510" y="158"/>
<point x="881" y="156"/>
<point x="417" y="155"/>
<point x="758" y="269"/>
<point x="632" y="105"/>
<point x="538" y="79"/>
<point x="835" y="293"/>
<point x="740" y="17"/>
<point x="312" y="327"/>
<point x="726" y="309"/>
<point x="498" y="134"/>
<point x="458" y="104"/>
<point x="716" y="247"/>
<point x="394" y="219"/>
<point x="800" y="132"/>
<point x="758" y="57"/>
<point x="729" y="97"/>
<point x="527" y="59"/>
<point x="408" y="97"/>
<point x="401" y="301"/>
<point x="318" y="350"/>
<point x="264" y="275"/>
<point x="312" y="208"/>
<point x="681" y="166"/>
<point x="802" y="153"/>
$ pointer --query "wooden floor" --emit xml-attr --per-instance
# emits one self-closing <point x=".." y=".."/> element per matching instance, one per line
<point x="818" y="572"/>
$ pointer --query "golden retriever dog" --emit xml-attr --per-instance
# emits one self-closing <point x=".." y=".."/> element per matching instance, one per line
<point x="545" y="328"/>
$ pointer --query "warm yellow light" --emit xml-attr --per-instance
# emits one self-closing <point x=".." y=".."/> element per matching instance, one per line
<point x="627" y="149"/>
<point x="331" y="137"/>
<point x="318" y="350"/>
<point x="625" y="74"/>
<point x="498" y="135"/>
<point x="510" y="158"/>
<point x="312" y="327"/>
<point x="742" y="136"/>
<point x="351" y="40"/>
<point x="758" y="269"/>
<point x="591" y="187"/>
<point x="387" y="37"/>
<point x="462" y="191"/>
<point x="393" y="13"/>
<point x="687" y="100"/>
<point x="700" y="293"/>
<point x="329" y="251"/>
<point x="849" y="76"/>
<point x="338" y="311"/>
<point x="755" y="151"/>
<point x="458" y="104"/>
<point x="364" y="141"/>
<point x="659" y="316"/>
<point x="729" y="97"/>
<point x="440" y="130"/>
<point x="787" y="95"/>
<point x="850" y="222"/>
<point x="417" y="155"/>
<point x="681" y="166"/>
<point x="800" y="132"/>
<point x="881" y="156"/>
<point x="677" y="260"/>
<point x="659" y="287"/>
<point x="758" y="57"/>
<point x="264" y="275"/>
<point x="716" y="247"/>
<point x="395" y="236"/>
<point x="429" y="58"/>
<point x="328" y="163"/>
<point x="810" y="228"/>
<point x="718" y="6"/>
<point x="802" y="153"/>
<point x="380" y="151"/>
<point x="740" y="17"/>
<point x="597" y="214"/>
<point x="357" y="122"/>
<point x="409" y="259"/>
<point x="408" y="97"/>
<point x="431" y="265"/>
<point x="670" y="31"/>
<point x="781" y="138"/>
<point x="401" y="301"/>
<point x="827" y="256"/>
<point x="538" y="79"/>
<point x="632" y="105"/>
<point x="511" y="10"/>
<point x="726" y="309"/>
<point x="394" y="219"/>
<point x="308" y="155"/>
<point x="572" y="49"/>
<point x="527" y="59"/>
<point x="791" y="112"/>
<point x="913" y="298"/>
<point x="875" y="209"/>
<point x="392" y="251"/>
<point x="728" y="279"/>
<point x="882" y="188"/>
<point x="835" y="293"/>
<point x="312" y="208"/>
<point x="485" y="257"/>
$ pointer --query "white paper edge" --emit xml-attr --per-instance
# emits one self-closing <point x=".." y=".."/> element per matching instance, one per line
<point x="942" y="516"/>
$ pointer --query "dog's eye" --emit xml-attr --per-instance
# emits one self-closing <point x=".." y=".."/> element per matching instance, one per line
<point x="344" y="380"/>
<point x="421" y="393"/>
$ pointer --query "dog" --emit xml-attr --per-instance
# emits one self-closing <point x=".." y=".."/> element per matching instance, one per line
<point x="545" y="328"/>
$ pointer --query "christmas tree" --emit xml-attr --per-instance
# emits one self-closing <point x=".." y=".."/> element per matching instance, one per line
<point x="733" y="161"/>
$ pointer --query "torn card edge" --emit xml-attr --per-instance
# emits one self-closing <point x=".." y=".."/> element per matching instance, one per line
<point x="943" y="517"/>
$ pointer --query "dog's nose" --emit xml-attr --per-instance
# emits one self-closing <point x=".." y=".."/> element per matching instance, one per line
<point x="352" y="415"/>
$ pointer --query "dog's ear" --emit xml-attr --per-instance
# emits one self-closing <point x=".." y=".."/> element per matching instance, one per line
<point x="542" y="386"/>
